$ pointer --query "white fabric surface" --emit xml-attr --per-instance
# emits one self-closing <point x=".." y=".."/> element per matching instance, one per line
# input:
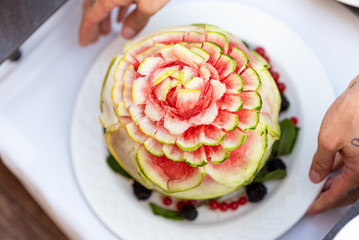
<point x="38" y="93"/>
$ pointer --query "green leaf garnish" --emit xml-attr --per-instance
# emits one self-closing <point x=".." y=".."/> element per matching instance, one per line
<point x="116" y="167"/>
<point x="166" y="213"/>
<point x="286" y="142"/>
<point x="274" y="175"/>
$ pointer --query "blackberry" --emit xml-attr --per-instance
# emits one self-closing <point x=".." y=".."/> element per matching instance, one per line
<point x="276" y="164"/>
<point x="256" y="191"/>
<point x="285" y="103"/>
<point x="189" y="212"/>
<point x="140" y="191"/>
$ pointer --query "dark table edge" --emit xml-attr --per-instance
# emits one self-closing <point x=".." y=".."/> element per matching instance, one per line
<point x="33" y="30"/>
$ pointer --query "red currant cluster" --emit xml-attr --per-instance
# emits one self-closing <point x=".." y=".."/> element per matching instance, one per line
<point x="281" y="86"/>
<point x="224" y="206"/>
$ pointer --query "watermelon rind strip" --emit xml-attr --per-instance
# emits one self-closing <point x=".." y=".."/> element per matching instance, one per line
<point x="105" y="80"/>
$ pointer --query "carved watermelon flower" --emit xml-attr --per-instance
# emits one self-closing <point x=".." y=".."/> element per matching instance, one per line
<point x="190" y="111"/>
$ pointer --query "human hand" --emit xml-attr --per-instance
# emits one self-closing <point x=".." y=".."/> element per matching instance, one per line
<point x="96" y="17"/>
<point x="338" y="148"/>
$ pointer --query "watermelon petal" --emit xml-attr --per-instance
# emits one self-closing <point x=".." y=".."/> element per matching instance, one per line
<point x="234" y="83"/>
<point x="200" y="52"/>
<point x="226" y="120"/>
<point x="225" y="65"/>
<point x="241" y="59"/>
<point x="248" y="119"/>
<point x="164" y="136"/>
<point x="174" y="153"/>
<point x="170" y="176"/>
<point x="206" y="117"/>
<point x="211" y="135"/>
<point x="175" y="126"/>
<point x="169" y="37"/>
<point x="151" y="52"/>
<point x="231" y="102"/>
<point x="139" y="47"/>
<point x="252" y="81"/>
<point x="137" y="112"/>
<point x="187" y="56"/>
<point x="218" y="38"/>
<point x="135" y="133"/>
<point x="189" y="140"/>
<point x="194" y="83"/>
<point x="148" y="126"/>
<point x="153" y="111"/>
<point x="187" y="99"/>
<point x="162" y="89"/>
<point x="217" y="154"/>
<point x="214" y="51"/>
<point x="194" y="36"/>
<point x="140" y="91"/>
<point x="129" y="77"/>
<point x="234" y="139"/>
<point x="167" y="53"/>
<point x="153" y="147"/>
<point x="251" y="100"/>
<point x="149" y="65"/>
<point x="197" y="158"/>
<point x="219" y="89"/>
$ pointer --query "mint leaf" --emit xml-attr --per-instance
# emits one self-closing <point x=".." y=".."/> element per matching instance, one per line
<point x="116" y="167"/>
<point x="274" y="175"/>
<point x="288" y="137"/>
<point x="166" y="213"/>
<point x="286" y="142"/>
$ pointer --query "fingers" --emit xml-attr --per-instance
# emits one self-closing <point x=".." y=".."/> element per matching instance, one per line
<point x="137" y="20"/>
<point x="338" y="162"/>
<point x="322" y="162"/>
<point x="133" y="24"/>
<point x="122" y="13"/>
<point x="343" y="190"/>
<point x="105" y="25"/>
<point x="96" y="18"/>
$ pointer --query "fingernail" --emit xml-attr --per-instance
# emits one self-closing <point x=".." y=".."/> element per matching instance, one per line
<point x="128" y="32"/>
<point x="314" y="176"/>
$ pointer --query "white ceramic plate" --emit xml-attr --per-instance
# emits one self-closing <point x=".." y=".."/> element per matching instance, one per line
<point x="309" y="91"/>
<point x="354" y="3"/>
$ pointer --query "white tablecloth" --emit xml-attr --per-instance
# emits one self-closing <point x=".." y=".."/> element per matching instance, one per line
<point x="38" y="93"/>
